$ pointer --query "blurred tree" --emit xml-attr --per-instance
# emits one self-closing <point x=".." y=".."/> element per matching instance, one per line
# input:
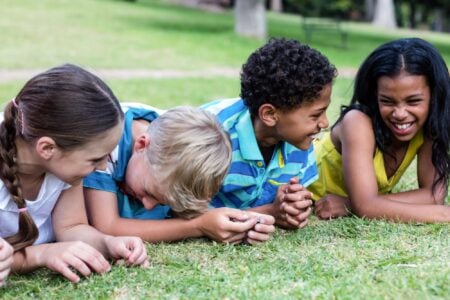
<point x="369" y="9"/>
<point x="432" y="13"/>
<point x="384" y="15"/>
<point x="340" y="9"/>
<point x="250" y="18"/>
<point x="276" y="5"/>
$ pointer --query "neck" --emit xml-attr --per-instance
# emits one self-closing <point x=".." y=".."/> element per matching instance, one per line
<point x="264" y="135"/>
<point x="28" y="163"/>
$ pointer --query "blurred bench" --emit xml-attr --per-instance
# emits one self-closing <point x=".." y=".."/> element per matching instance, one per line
<point x="312" y="25"/>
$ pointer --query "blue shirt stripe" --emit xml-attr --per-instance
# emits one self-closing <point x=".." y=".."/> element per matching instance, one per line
<point x="250" y="182"/>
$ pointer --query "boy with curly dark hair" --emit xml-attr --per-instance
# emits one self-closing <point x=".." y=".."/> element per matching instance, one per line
<point x="285" y="91"/>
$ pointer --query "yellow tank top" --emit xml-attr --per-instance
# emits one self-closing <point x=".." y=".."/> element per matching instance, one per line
<point x="331" y="177"/>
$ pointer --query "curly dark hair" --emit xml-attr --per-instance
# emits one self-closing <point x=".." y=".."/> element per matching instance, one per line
<point x="284" y="73"/>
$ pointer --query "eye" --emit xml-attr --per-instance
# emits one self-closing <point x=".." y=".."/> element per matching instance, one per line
<point x="414" y="102"/>
<point x="385" y="102"/>
<point x="97" y="160"/>
<point x="316" y="116"/>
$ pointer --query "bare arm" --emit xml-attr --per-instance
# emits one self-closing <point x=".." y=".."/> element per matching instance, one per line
<point x="79" y="246"/>
<point x="359" y="174"/>
<point x="216" y="224"/>
<point x="425" y="176"/>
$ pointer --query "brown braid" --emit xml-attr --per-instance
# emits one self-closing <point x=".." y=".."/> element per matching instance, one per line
<point x="28" y="231"/>
<point x="66" y="103"/>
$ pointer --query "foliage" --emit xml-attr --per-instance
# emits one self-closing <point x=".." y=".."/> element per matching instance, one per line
<point x="322" y="8"/>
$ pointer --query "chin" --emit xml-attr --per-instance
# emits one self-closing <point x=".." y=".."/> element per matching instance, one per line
<point x="74" y="181"/>
<point x="303" y="146"/>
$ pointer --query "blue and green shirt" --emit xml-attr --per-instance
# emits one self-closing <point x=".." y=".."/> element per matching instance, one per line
<point x="110" y="179"/>
<point x="250" y="182"/>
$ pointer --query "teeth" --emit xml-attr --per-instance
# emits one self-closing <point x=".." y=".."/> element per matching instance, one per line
<point x="403" y="126"/>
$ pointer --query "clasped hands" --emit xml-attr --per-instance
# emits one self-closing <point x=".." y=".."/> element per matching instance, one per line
<point x="293" y="205"/>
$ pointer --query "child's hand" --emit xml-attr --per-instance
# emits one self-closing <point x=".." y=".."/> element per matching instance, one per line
<point x="68" y="258"/>
<point x="130" y="249"/>
<point x="225" y="225"/>
<point x="263" y="228"/>
<point x="6" y="259"/>
<point x="292" y="205"/>
<point x="332" y="206"/>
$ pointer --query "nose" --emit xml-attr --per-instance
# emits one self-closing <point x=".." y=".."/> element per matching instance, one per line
<point x="149" y="203"/>
<point x="323" y="122"/>
<point x="400" y="112"/>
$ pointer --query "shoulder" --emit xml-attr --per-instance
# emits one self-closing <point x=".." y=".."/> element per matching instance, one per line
<point x="354" y="127"/>
<point x="229" y="105"/>
<point x="135" y="107"/>
<point x="355" y="117"/>
<point x="354" y="121"/>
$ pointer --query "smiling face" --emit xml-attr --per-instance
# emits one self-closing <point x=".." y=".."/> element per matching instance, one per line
<point x="300" y="126"/>
<point x="404" y="103"/>
<point x="72" y="166"/>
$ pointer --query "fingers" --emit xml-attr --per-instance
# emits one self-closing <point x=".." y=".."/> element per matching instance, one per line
<point x="254" y="237"/>
<point x="303" y="224"/>
<point x="302" y="195"/>
<point x="244" y="226"/>
<point x="260" y="233"/>
<point x="65" y="271"/>
<point x="236" y="238"/>
<point x="68" y="258"/>
<point x="237" y="215"/>
<point x="262" y="218"/>
<point x="298" y="220"/>
<point x="295" y="208"/>
<point x="138" y="255"/>
<point x="131" y="249"/>
<point x="94" y="259"/>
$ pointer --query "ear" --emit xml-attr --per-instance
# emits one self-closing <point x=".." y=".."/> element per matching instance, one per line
<point x="46" y="147"/>
<point x="141" y="143"/>
<point x="268" y="114"/>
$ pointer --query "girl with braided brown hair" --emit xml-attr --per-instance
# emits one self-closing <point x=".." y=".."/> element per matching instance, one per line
<point x="59" y="128"/>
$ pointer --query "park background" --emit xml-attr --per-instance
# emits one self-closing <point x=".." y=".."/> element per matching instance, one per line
<point x="166" y="54"/>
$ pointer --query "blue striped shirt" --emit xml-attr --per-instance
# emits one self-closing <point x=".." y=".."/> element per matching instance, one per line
<point x="250" y="182"/>
<point x="108" y="180"/>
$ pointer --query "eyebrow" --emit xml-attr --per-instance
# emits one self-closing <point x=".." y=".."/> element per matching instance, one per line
<point x="320" y="109"/>
<point x="408" y="97"/>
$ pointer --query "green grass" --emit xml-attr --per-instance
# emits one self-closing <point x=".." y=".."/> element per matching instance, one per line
<point x="343" y="259"/>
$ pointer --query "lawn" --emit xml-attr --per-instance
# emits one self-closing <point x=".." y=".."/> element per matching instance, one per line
<point x="342" y="259"/>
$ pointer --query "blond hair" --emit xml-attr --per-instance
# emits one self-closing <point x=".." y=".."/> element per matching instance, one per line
<point x="191" y="153"/>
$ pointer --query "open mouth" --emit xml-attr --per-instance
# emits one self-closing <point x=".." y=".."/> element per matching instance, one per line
<point x="403" y="126"/>
<point x="314" y="135"/>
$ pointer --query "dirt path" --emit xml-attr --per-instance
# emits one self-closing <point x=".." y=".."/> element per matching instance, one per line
<point x="11" y="75"/>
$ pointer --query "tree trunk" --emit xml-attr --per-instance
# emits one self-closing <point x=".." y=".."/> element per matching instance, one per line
<point x="384" y="14"/>
<point x="438" y="20"/>
<point x="412" y="14"/>
<point x="250" y="18"/>
<point x="276" y="5"/>
<point x="369" y="6"/>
